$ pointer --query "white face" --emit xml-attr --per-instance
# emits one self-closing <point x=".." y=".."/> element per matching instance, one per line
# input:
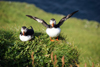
<point x="23" y="30"/>
<point x="51" y="22"/>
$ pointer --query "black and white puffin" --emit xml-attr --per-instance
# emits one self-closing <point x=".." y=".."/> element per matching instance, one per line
<point x="26" y="34"/>
<point x="53" y="29"/>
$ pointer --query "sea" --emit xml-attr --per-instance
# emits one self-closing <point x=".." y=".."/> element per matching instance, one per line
<point x="88" y="9"/>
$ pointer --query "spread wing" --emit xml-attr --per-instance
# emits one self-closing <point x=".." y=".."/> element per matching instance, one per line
<point x="65" y="18"/>
<point x="39" y="20"/>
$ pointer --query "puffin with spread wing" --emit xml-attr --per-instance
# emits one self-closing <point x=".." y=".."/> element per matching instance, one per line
<point x="53" y="29"/>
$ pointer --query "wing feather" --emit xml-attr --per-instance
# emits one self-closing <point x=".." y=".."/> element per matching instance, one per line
<point x="65" y="18"/>
<point x="39" y="20"/>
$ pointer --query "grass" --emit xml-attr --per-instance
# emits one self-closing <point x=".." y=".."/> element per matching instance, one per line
<point x="83" y="35"/>
<point x="18" y="54"/>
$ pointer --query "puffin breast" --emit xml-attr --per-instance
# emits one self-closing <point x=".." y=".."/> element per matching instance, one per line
<point x="53" y="32"/>
<point x="25" y="38"/>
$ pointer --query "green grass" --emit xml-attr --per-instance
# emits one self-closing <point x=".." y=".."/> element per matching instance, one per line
<point x="18" y="54"/>
<point x="83" y="35"/>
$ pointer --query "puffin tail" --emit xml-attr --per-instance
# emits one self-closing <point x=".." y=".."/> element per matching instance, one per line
<point x="31" y="27"/>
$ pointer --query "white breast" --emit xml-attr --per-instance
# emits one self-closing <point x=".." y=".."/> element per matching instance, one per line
<point x="25" y="38"/>
<point x="53" y="32"/>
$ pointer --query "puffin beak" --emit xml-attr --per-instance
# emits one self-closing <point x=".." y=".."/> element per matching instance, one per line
<point x="52" y="24"/>
<point x="23" y="32"/>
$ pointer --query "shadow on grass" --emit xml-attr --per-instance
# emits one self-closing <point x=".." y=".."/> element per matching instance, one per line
<point x="9" y="52"/>
<point x="5" y="42"/>
<point x="37" y="34"/>
<point x="61" y="37"/>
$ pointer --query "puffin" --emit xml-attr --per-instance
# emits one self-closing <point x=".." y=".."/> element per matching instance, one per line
<point x="53" y="30"/>
<point x="26" y="34"/>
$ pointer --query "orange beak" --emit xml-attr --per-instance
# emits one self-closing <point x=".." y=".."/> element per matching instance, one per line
<point x="52" y="24"/>
<point x="23" y="32"/>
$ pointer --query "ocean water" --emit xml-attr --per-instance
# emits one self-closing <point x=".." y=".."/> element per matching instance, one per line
<point x="88" y="9"/>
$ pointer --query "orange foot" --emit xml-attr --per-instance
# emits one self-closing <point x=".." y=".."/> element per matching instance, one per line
<point x="57" y="39"/>
<point x="51" y="39"/>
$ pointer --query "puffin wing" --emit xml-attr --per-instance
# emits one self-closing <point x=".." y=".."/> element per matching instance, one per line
<point x="65" y="18"/>
<point x="39" y="20"/>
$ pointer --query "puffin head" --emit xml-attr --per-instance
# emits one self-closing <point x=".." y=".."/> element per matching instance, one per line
<point x="52" y="22"/>
<point x="23" y="30"/>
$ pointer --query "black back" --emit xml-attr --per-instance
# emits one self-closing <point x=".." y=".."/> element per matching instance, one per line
<point x="29" y="32"/>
